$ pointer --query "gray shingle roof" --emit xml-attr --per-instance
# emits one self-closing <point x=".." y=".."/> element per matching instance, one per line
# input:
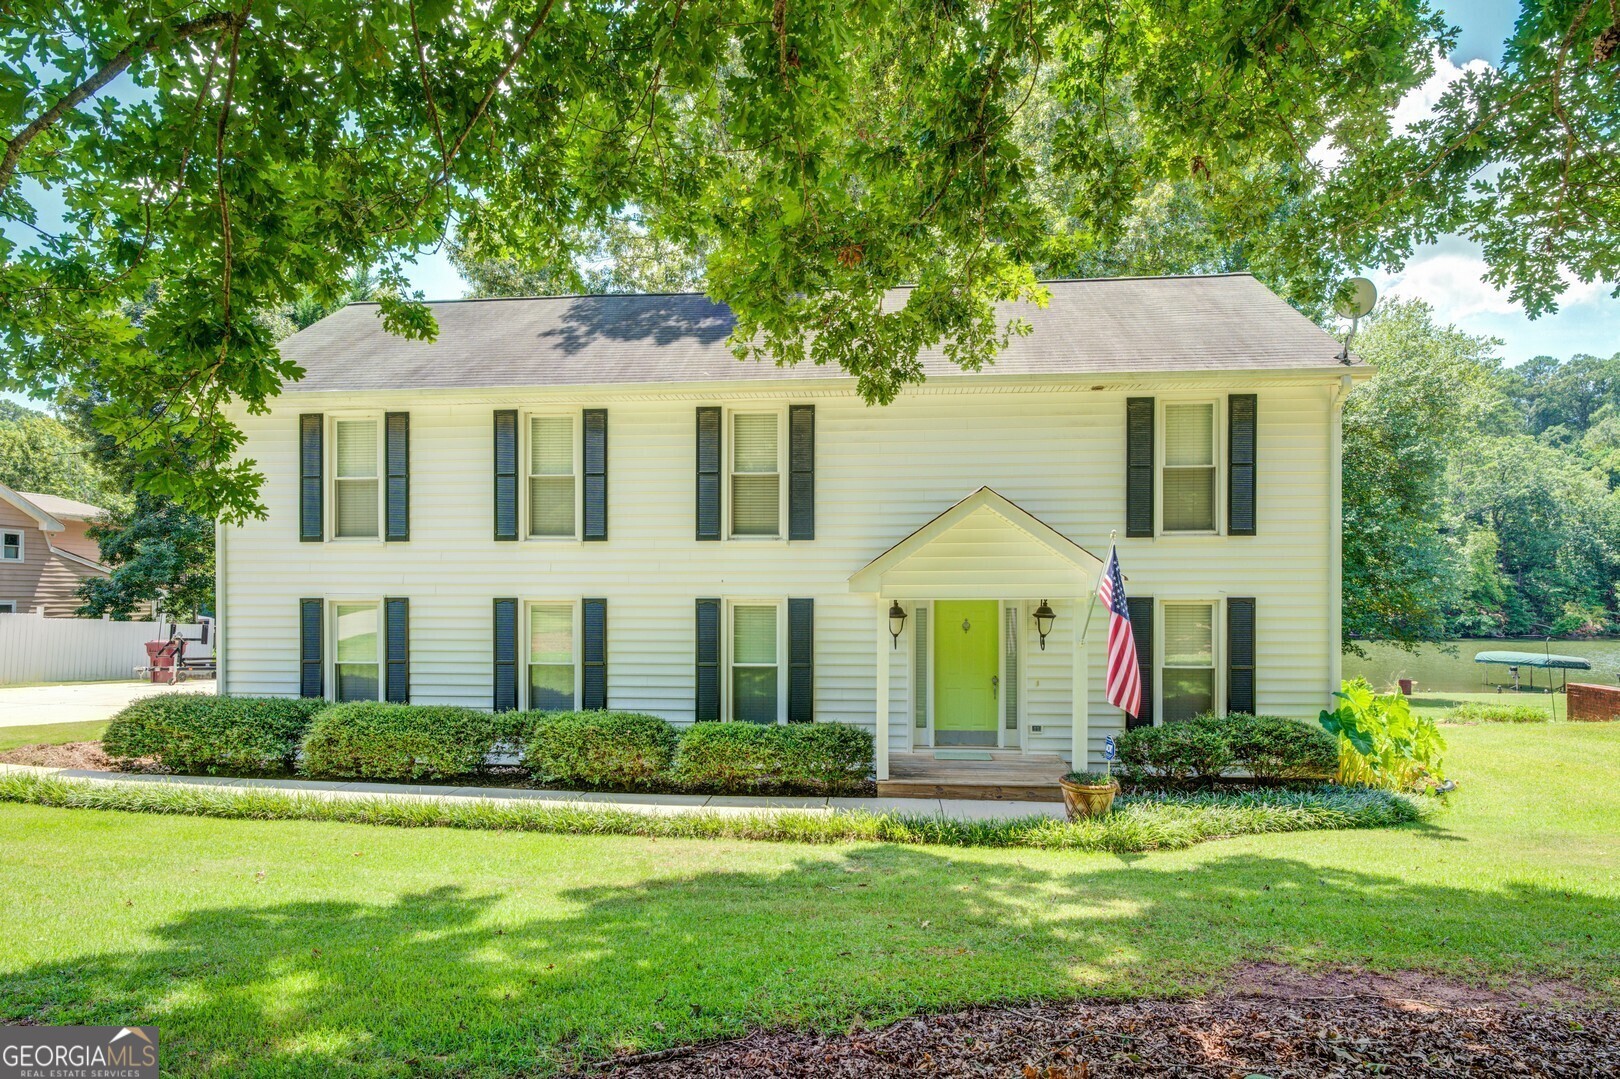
<point x="1105" y="326"/>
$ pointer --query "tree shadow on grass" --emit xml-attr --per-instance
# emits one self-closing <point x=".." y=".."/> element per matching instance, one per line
<point x="453" y="981"/>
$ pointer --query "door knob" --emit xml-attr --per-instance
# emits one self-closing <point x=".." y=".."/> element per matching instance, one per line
<point x="995" y="685"/>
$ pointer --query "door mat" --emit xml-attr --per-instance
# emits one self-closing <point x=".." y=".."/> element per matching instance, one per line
<point x="962" y="755"/>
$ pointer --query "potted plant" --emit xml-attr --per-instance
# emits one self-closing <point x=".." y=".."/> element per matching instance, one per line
<point x="1088" y="794"/>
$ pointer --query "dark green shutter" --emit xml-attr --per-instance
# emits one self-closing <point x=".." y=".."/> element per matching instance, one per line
<point x="1241" y="412"/>
<point x="311" y="682"/>
<point x="397" y="649"/>
<point x="706" y="702"/>
<point x="801" y="661"/>
<point x="708" y="474"/>
<point x="506" y="478"/>
<point x="1139" y="467"/>
<point x="505" y="655"/>
<point x="595" y="455"/>
<point x="1240" y="654"/>
<point x="397" y="455"/>
<point x="1142" y="633"/>
<point x="802" y="472"/>
<point x="311" y="458"/>
<point x="593" y="653"/>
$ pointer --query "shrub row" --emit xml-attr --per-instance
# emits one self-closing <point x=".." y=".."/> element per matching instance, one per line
<point x="368" y="740"/>
<point x="1491" y="712"/>
<point x="1208" y="748"/>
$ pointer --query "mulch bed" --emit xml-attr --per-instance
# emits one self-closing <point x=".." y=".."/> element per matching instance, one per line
<point x="1277" y="1023"/>
<point x="81" y="755"/>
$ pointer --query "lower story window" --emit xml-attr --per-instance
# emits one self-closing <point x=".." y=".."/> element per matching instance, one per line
<point x="551" y="657"/>
<point x="355" y="659"/>
<point x="753" y="663"/>
<point x="1188" y="675"/>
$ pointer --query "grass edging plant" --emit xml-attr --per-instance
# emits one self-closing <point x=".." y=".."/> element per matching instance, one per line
<point x="1164" y="821"/>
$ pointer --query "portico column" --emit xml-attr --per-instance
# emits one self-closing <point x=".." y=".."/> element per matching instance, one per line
<point x="1080" y="729"/>
<point x="881" y="730"/>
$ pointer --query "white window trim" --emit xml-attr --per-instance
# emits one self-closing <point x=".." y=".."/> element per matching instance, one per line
<point x="728" y="469"/>
<point x="728" y="645"/>
<point x="1161" y="430"/>
<point x="575" y="605"/>
<point x="526" y="461"/>
<point x="330" y="476"/>
<point x="22" y="549"/>
<point x="330" y="641"/>
<point x="1217" y="651"/>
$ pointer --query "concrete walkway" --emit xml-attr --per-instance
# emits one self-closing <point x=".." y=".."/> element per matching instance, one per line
<point x="655" y="804"/>
<point x="80" y="702"/>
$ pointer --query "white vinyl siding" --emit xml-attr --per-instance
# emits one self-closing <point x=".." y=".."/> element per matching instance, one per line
<point x="755" y="677"/>
<point x="1188" y="679"/>
<point x="553" y="677"/>
<point x="11" y="546"/>
<point x="356" y="651"/>
<point x="756" y="474"/>
<point x="1189" y="471"/>
<point x="552" y="480"/>
<point x="354" y="478"/>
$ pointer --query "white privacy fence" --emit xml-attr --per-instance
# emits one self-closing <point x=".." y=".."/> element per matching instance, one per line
<point x="34" y="648"/>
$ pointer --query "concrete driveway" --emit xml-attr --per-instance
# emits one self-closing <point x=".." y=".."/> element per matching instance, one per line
<point x="79" y="702"/>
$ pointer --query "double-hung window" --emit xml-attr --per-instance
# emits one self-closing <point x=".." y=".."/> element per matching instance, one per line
<point x="552" y="483"/>
<point x="1187" y="675"/>
<point x="756" y="474"/>
<point x="552" y="671"/>
<point x="754" y="663"/>
<point x="356" y="654"/>
<point x="355" y="502"/>
<point x="1189" y="467"/>
<point x="11" y="546"/>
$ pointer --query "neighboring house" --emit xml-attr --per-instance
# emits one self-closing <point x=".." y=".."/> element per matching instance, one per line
<point x="45" y="552"/>
<point x="589" y="502"/>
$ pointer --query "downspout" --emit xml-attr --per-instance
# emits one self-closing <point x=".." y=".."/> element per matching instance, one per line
<point x="1335" y="574"/>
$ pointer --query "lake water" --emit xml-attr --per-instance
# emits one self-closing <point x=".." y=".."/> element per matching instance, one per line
<point x="1450" y="666"/>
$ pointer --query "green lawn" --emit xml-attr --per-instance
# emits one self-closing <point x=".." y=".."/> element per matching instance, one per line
<point x="310" y="948"/>
<point x="51" y="733"/>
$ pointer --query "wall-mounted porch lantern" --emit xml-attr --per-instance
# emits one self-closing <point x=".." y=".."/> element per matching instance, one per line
<point x="1044" y="617"/>
<point x="897" y="621"/>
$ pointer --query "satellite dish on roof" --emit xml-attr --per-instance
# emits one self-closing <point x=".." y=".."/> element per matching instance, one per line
<point x="1355" y="298"/>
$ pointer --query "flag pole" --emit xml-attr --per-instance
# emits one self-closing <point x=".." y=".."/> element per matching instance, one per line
<point x="1091" y="600"/>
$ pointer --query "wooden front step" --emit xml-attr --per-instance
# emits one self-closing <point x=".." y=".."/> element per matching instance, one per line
<point x="1007" y="777"/>
<point x="999" y="792"/>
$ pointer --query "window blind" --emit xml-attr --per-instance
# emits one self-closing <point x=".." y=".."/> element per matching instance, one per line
<point x="355" y="653"/>
<point x="355" y="483"/>
<point x="551" y="476"/>
<point x="1189" y="467"/>
<point x="755" y="483"/>
<point x="1188" y="637"/>
<point x="551" y="656"/>
<point x="753" y="664"/>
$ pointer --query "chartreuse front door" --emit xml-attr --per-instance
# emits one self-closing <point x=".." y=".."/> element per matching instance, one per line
<point x="965" y="670"/>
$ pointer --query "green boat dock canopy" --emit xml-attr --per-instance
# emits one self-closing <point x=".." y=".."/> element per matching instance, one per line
<point x="1534" y="659"/>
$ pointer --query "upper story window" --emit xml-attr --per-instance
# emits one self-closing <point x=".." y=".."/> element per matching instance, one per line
<point x="355" y="501"/>
<point x="552" y="483"/>
<point x="356" y="653"/>
<point x="1189" y="470"/>
<point x="754" y="655"/>
<point x="552" y="675"/>
<point x="11" y="546"/>
<point x="756" y="474"/>
<point x="1188" y="672"/>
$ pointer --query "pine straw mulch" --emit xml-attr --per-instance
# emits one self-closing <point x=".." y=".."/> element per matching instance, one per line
<point x="82" y="755"/>
<point x="1276" y="1022"/>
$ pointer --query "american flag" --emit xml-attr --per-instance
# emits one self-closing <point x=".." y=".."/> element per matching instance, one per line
<point x="1124" y="683"/>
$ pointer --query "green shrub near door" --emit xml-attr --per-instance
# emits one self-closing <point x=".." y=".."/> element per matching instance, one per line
<point x="197" y="732"/>
<point x="1210" y="747"/>
<point x="739" y="757"/>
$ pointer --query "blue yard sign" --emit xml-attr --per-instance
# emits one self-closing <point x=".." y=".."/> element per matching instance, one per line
<point x="1108" y="748"/>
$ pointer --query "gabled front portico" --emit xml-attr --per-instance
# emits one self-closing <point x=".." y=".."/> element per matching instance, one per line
<point x="983" y="558"/>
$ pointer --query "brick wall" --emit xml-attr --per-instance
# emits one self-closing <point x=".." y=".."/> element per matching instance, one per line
<point x="1595" y="704"/>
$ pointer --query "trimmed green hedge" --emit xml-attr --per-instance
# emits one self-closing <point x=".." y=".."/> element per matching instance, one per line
<point x="1205" y="748"/>
<point x="732" y="757"/>
<point x="192" y="732"/>
<point x="598" y="749"/>
<point x="1488" y="712"/>
<point x="367" y="740"/>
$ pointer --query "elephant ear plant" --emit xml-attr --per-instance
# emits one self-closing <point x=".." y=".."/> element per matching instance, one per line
<point x="1381" y="742"/>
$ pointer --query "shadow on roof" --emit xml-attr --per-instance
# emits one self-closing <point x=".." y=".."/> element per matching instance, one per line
<point x="661" y="320"/>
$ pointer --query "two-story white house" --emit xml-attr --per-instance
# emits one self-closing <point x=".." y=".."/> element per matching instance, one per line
<point x="588" y="502"/>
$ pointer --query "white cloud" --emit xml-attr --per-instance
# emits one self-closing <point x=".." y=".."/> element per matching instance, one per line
<point x="1450" y="275"/>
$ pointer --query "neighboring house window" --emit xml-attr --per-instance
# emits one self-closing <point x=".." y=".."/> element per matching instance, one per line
<point x="11" y="546"/>
<point x="551" y="657"/>
<point x="756" y="474"/>
<point x="354" y="483"/>
<point x="1188" y="673"/>
<point x="1189" y="467"/>
<point x="754" y="663"/>
<point x="8" y="606"/>
<point x="551" y="476"/>
<point x="356" y="655"/>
